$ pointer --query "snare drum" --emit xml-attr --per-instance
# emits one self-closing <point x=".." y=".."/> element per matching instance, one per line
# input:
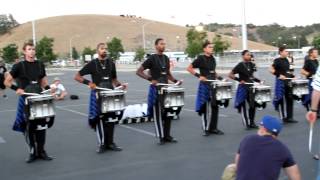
<point x="262" y="93"/>
<point x="223" y="90"/>
<point x="173" y="97"/>
<point x="40" y="106"/>
<point x="299" y="87"/>
<point x="112" y="101"/>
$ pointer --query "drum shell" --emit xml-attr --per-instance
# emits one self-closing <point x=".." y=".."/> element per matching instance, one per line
<point x="262" y="94"/>
<point x="40" y="106"/>
<point x="173" y="97"/>
<point x="112" y="101"/>
<point x="299" y="87"/>
<point x="223" y="90"/>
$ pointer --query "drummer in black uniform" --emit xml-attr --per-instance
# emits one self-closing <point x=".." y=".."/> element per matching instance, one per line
<point x="308" y="70"/>
<point x="283" y="96"/>
<point x="245" y="71"/>
<point x="159" y="66"/>
<point x="103" y="74"/>
<point x="206" y="64"/>
<point x="30" y="75"/>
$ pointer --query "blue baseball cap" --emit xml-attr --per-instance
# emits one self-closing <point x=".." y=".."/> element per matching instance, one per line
<point x="272" y="124"/>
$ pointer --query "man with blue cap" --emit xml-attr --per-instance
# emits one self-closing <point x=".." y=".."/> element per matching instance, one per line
<point x="262" y="156"/>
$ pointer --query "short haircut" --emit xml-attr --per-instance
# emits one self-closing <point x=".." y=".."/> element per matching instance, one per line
<point x="100" y="44"/>
<point x="282" y="48"/>
<point x="157" y="41"/>
<point x="311" y="50"/>
<point x="206" y="43"/>
<point x="244" y="52"/>
<point x="27" y="44"/>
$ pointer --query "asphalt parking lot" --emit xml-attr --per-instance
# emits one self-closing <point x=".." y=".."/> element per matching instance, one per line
<point x="195" y="157"/>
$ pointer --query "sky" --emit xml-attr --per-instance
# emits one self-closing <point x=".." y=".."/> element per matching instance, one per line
<point x="259" y="12"/>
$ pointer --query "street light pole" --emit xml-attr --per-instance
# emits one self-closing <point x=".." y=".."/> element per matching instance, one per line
<point x="143" y="34"/>
<point x="70" y="46"/>
<point x="34" y="32"/>
<point x="244" y="26"/>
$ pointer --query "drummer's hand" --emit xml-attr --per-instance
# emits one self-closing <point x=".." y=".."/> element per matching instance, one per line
<point x="124" y="86"/>
<point x="311" y="116"/>
<point x="154" y="82"/>
<point x="261" y="82"/>
<point x="242" y="82"/>
<point x="92" y="85"/>
<point x="202" y="78"/>
<point x="20" y="91"/>
<point x="179" y="82"/>
<point x="282" y="77"/>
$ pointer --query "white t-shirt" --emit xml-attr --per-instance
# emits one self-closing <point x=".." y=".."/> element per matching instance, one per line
<point x="59" y="88"/>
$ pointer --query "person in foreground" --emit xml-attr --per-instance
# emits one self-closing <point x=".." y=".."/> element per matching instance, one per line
<point x="262" y="156"/>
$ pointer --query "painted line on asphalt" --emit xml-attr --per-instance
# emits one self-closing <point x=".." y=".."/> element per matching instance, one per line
<point x="124" y="126"/>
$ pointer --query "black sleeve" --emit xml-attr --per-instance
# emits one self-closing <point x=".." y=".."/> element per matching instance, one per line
<point x="147" y="64"/>
<point x="15" y="70"/>
<point x="196" y="62"/>
<point x="4" y="69"/>
<point x="276" y="67"/>
<point x="43" y="70"/>
<point x="307" y="66"/>
<point x="236" y="69"/>
<point x="114" y="71"/>
<point x="86" y="69"/>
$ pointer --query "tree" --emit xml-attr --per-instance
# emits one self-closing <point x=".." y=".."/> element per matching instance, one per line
<point x="88" y="51"/>
<point x="316" y="42"/>
<point x="195" y="40"/>
<point x="115" y="48"/>
<point x="10" y="53"/>
<point x="139" y="54"/>
<point x="7" y="22"/>
<point x="220" y="45"/>
<point x="44" y="49"/>
<point x="75" y="54"/>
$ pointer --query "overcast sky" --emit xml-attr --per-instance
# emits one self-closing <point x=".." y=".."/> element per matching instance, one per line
<point x="260" y="12"/>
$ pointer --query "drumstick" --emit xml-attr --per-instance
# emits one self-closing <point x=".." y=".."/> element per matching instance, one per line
<point x="310" y="137"/>
<point x="45" y="91"/>
<point x="31" y="94"/>
<point x="104" y="89"/>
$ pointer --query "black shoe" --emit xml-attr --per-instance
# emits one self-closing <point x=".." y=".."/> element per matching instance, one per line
<point x="162" y="141"/>
<point x="206" y="133"/>
<point x="170" y="140"/>
<point x="316" y="157"/>
<point x="5" y="96"/>
<point x="44" y="156"/>
<point x="253" y="126"/>
<point x="101" y="149"/>
<point x="289" y="120"/>
<point x="114" y="147"/>
<point x="31" y="158"/>
<point x="217" y="132"/>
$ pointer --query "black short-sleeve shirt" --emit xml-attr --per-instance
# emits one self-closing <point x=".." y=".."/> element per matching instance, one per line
<point x="99" y="69"/>
<point x="206" y="65"/>
<point x="311" y="66"/>
<point x="282" y="67"/>
<point x="25" y="72"/>
<point x="245" y="71"/>
<point x="159" y="66"/>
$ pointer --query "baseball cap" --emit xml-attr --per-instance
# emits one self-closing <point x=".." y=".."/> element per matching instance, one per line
<point x="272" y="124"/>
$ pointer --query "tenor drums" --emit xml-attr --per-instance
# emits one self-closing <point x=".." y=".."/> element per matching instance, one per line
<point x="40" y="106"/>
<point x="223" y="90"/>
<point x="173" y="97"/>
<point x="112" y="101"/>
<point x="299" y="87"/>
<point x="262" y="93"/>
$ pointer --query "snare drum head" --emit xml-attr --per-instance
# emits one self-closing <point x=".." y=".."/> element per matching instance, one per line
<point x="112" y="93"/>
<point x="222" y="83"/>
<point x="40" y="98"/>
<point x="300" y="81"/>
<point x="173" y="89"/>
<point x="261" y="87"/>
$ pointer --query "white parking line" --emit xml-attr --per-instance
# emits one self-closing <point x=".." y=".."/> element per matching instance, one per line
<point x="2" y="140"/>
<point x="124" y="126"/>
